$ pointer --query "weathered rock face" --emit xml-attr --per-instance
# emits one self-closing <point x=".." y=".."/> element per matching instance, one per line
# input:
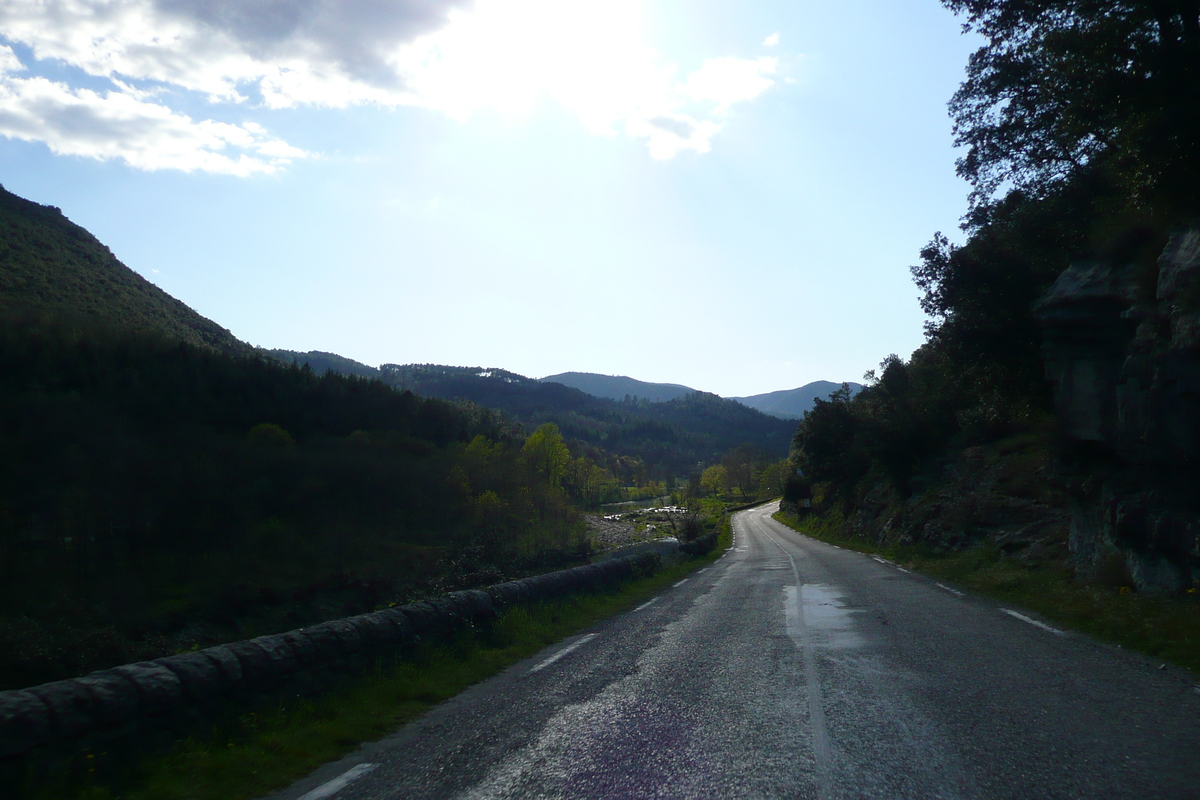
<point x="1125" y="365"/>
<point x="1001" y="493"/>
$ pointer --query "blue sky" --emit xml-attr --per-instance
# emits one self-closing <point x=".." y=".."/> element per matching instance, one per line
<point x="722" y="194"/>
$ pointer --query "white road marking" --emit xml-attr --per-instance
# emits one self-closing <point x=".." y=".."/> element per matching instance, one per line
<point x="881" y="560"/>
<point x="1033" y="622"/>
<point x="568" y="649"/>
<point x="340" y="782"/>
<point x="681" y="583"/>
<point x="902" y="569"/>
<point x="701" y="572"/>
<point x="647" y="603"/>
<point x="948" y="589"/>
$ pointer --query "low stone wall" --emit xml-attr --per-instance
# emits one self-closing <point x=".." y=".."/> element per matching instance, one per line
<point x="699" y="547"/>
<point x="167" y="697"/>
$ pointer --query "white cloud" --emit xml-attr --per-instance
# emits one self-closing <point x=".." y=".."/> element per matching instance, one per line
<point x="771" y="40"/>
<point x="116" y="125"/>
<point x="455" y="57"/>
<point x="668" y="134"/>
<point x="587" y="56"/>
<point x="323" y="52"/>
<point x="725" y="81"/>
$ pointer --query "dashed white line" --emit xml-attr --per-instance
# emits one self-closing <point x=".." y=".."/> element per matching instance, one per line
<point x="902" y="569"/>
<point x="681" y="583"/>
<point x="647" y="603"/>
<point x="568" y="649"/>
<point x="955" y="592"/>
<point x="1033" y="622"/>
<point x="881" y="560"/>
<point x="702" y="571"/>
<point x="340" y="782"/>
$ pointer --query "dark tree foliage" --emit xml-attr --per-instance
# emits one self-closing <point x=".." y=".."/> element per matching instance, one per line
<point x="980" y="295"/>
<point x="1080" y="118"/>
<point x="155" y="494"/>
<point x="890" y="430"/>
<point x="1066" y="85"/>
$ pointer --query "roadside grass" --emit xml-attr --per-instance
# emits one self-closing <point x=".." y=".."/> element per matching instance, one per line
<point x="1165" y="627"/>
<point x="265" y="751"/>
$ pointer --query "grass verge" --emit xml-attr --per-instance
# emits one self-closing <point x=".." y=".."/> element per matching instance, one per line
<point x="1167" y="628"/>
<point x="265" y="751"/>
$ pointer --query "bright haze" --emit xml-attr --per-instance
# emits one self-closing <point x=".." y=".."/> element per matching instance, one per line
<point x="721" y="194"/>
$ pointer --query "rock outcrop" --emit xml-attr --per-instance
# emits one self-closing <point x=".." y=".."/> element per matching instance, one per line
<point x="1122" y="349"/>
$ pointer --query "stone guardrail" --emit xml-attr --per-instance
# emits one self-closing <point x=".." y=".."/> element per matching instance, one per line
<point x="755" y="504"/>
<point x="172" y="694"/>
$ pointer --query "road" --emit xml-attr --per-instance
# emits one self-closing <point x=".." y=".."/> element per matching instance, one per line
<point x="794" y="669"/>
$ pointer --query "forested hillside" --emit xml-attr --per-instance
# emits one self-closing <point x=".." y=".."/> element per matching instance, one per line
<point x="48" y="264"/>
<point x="619" y="387"/>
<point x="163" y="485"/>
<point x="1079" y="124"/>
<point x="651" y="440"/>
<point x="321" y="363"/>
<point x="154" y="495"/>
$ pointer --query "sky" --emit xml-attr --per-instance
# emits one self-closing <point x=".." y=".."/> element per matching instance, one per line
<point x="723" y="194"/>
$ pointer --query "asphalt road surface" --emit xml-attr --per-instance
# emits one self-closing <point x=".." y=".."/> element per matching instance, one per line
<point x="795" y="669"/>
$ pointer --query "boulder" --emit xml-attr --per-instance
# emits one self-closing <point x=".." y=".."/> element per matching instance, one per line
<point x="306" y="652"/>
<point x="283" y="656"/>
<point x="116" y="696"/>
<point x="73" y="711"/>
<point x="227" y="664"/>
<point x="474" y="605"/>
<point x="402" y="632"/>
<point x="25" y="722"/>
<point x="374" y="631"/>
<point x="258" y="667"/>
<point x="199" y="676"/>
<point x="421" y="617"/>
<point x="159" y="689"/>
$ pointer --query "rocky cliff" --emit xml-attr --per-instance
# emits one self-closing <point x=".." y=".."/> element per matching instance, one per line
<point x="1121" y="344"/>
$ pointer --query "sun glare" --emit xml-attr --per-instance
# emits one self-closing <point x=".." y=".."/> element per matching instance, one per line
<point x="508" y="55"/>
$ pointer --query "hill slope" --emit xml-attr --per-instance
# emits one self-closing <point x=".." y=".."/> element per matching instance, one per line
<point x="792" y="403"/>
<point x="322" y="362"/>
<point x="618" y="387"/>
<point x="50" y="265"/>
<point x="671" y="437"/>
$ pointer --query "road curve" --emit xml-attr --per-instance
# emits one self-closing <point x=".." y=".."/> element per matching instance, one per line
<point x="795" y="669"/>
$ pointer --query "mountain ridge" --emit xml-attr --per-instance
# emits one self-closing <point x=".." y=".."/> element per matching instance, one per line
<point x="784" y="403"/>
<point x="50" y="265"/>
<point x="793" y="403"/>
<point x="670" y="437"/>
<point x="618" y="387"/>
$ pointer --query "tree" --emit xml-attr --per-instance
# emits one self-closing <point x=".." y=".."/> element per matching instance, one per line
<point x="742" y="464"/>
<point x="547" y="453"/>
<point x="1066" y="86"/>
<point x="773" y="478"/>
<point x="714" y="479"/>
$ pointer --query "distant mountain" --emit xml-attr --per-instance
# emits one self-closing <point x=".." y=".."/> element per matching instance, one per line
<point x="792" y="403"/>
<point x="50" y="265"/>
<point x="672" y="437"/>
<point x="324" y="362"/>
<point x="618" y="387"/>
